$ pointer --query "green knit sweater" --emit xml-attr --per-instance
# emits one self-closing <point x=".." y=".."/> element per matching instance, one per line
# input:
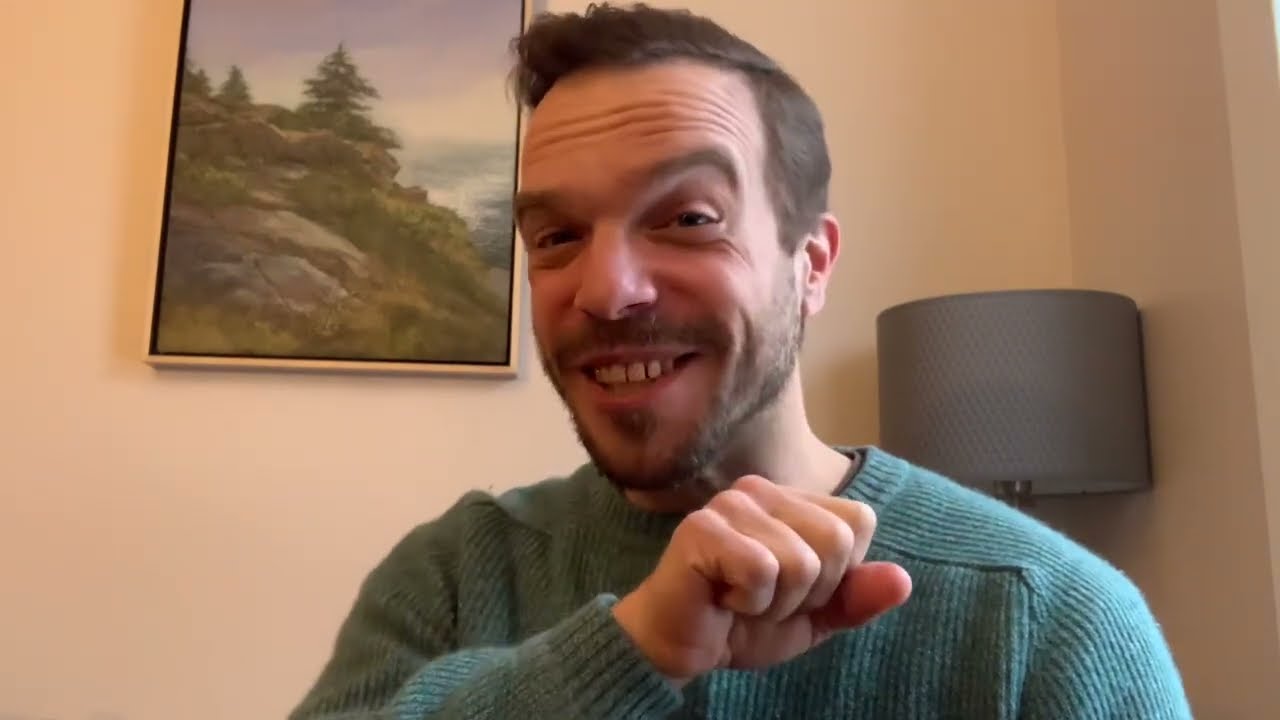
<point x="500" y="608"/>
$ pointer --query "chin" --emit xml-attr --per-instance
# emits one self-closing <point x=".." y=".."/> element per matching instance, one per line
<point x="651" y="434"/>
<point x="655" y="461"/>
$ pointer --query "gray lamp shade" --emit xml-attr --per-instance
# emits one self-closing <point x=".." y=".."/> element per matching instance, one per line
<point x="1041" y="390"/>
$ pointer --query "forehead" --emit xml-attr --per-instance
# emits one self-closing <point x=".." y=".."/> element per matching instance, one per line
<point x="599" y="126"/>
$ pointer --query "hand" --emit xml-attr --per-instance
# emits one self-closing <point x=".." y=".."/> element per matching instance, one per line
<point x="759" y="575"/>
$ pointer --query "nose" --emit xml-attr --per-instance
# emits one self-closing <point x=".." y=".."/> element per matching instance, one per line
<point x="615" y="280"/>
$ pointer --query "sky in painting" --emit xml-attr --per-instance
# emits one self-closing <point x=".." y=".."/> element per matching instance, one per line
<point x="440" y="65"/>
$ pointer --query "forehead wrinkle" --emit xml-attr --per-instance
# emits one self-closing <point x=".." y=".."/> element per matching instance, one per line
<point x="637" y="134"/>
<point x="647" y="118"/>
<point x="660" y="103"/>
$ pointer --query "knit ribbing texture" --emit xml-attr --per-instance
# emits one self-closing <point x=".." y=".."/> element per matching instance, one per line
<point x="501" y="608"/>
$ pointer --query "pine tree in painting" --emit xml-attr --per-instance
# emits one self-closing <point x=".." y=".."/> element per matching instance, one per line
<point x="195" y="80"/>
<point x="235" y="89"/>
<point x="337" y="98"/>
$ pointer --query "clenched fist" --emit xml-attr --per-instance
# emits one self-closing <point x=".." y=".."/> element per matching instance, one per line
<point x="759" y="575"/>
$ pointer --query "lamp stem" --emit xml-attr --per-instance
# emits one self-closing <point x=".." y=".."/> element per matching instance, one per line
<point x="1015" y="492"/>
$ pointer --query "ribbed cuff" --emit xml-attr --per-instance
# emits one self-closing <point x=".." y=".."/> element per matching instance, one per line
<point x="603" y="670"/>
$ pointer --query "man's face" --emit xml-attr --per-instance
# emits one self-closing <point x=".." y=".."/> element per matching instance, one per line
<point x="665" y="311"/>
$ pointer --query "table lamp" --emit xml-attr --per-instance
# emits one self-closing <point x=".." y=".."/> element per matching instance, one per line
<point x="1018" y="393"/>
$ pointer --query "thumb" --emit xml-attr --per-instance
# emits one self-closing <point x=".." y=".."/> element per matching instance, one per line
<point x="867" y="591"/>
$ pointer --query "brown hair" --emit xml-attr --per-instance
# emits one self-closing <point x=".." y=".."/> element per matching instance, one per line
<point x="798" y="166"/>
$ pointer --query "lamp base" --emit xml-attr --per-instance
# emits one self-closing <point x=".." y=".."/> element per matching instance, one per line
<point x="1015" y="492"/>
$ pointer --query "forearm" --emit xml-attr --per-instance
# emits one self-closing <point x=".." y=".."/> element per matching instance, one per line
<point x="585" y="666"/>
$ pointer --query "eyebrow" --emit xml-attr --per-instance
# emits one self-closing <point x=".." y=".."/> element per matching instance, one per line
<point x="711" y="157"/>
<point x="708" y="157"/>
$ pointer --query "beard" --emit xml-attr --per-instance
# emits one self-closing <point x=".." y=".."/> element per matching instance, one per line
<point x="749" y="385"/>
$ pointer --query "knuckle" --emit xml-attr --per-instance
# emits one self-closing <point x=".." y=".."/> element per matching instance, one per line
<point x="732" y="499"/>
<point x="700" y="521"/>
<point x="761" y="568"/>
<point x="806" y="567"/>
<point x="837" y="537"/>
<point x="751" y="484"/>
<point x="866" y="519"/>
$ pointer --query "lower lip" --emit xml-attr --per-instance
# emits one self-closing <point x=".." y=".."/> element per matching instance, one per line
<point x="633" y="396"/>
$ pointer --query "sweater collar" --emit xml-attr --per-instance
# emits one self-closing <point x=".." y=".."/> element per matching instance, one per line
<point x="877" y="479"/>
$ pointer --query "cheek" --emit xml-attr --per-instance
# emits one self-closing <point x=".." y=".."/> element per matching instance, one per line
<point x="712" y="287"/>
<point x="764" y="314"/>
<point x="547" y="306"/>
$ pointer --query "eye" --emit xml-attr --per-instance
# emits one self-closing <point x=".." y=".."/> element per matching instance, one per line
<point x="555" y="237"/>
<point x="692" y="218"/>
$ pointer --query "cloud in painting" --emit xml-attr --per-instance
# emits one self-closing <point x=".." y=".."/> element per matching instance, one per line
<point x="439" y="65"/>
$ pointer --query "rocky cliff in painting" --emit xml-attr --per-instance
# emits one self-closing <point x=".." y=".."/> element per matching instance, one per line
<point x="288" y="235"/>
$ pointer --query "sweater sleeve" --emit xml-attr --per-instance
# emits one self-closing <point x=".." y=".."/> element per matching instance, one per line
<point x="1099" y="654"/>
<point x="396" y="658"/>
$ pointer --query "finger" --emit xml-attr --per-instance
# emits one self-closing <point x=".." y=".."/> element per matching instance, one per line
<point x="868" y="591"/>
<point x="859" y="516"/>
<point x="798" y="564"/>
<point x="845" y="545"/>
<point x="740" y="569"/>
<point x="829" y="535"/>
<point x="856" y="514"/>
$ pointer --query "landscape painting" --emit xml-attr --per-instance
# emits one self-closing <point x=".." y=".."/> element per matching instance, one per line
<point x="339" y="188"/>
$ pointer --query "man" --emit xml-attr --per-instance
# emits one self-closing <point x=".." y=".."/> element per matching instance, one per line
<point x="716" y="559"/>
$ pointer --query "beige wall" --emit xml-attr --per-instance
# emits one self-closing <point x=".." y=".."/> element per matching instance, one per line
<point x="181" y="545"/>
<point x="1154" y="214"/>
<point x="184" y="544"/>
<point x="945" y="127"/>
<point x="1250" y="33"/>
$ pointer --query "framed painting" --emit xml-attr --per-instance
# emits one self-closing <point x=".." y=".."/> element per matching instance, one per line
<point x="339" y="187"/>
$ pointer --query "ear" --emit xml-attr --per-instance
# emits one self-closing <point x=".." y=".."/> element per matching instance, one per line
<point x="816" y="257"/>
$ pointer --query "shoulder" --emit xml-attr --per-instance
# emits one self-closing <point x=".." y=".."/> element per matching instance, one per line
<point x="934" y="519"/>
<point x="478" y="513"/>
<point x="478" y="529"/>
<point x="1091" y="634"/>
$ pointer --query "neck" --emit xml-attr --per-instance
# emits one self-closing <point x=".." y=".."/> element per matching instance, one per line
<point x="778" y="445"/>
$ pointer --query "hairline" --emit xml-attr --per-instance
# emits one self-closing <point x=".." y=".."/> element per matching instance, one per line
<point x="765" y="81"/>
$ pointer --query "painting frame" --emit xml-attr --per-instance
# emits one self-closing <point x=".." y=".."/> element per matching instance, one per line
<point x="508" y="367"/>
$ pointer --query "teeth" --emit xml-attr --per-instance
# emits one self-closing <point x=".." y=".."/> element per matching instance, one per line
<point x="635" y="372"/>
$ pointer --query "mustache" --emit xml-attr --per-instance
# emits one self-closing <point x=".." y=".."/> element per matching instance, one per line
<point x="640" y="331"/>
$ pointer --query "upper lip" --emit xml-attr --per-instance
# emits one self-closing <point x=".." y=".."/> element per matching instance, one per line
<point x="626" y="356"/>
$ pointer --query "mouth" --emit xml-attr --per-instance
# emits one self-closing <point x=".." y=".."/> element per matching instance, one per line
<point x="623" y="374"/>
